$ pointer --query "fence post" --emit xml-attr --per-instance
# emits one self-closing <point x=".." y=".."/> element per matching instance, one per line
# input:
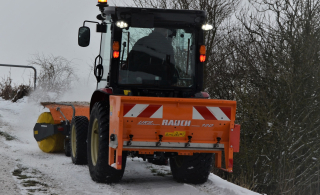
<point x="21" y="66"/>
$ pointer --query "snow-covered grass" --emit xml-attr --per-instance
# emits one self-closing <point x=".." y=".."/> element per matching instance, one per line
<point x="35" y="172"/>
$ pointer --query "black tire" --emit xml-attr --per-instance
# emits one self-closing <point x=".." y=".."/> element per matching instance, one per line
<point x="67" y="147"/>
<point x="191" y="169"/>
<point x="78" y="140"/>
<point x="98" y="135"/>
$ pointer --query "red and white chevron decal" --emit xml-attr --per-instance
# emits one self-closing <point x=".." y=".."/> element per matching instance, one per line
<point x="143" y="110"/>
<point x="211" y="113"/>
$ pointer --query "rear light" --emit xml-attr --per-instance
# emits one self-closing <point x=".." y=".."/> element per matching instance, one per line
<point x="203" y="50"/>
<point x="116" y="54"/>
<point x="116" y="48"/>
<point x="202" y="58"/>
<point x="60" y="128"/>
<point x="202" y="53"/>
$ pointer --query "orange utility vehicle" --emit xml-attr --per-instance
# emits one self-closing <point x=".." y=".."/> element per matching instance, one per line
<point x="150" y="74"/>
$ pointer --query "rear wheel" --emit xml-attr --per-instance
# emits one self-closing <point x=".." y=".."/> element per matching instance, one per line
<point x="191" y="169"/>
<point x="98" y="147"/>
<point x="78" y="141"/>
<point x="53" y="143"/>
<point x="67" y="147"/>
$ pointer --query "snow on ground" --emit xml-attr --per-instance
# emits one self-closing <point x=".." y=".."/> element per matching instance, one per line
<point x="25" y="169"/>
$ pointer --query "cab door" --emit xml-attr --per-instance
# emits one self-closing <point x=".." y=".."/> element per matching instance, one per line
<point x="105" y="53"/>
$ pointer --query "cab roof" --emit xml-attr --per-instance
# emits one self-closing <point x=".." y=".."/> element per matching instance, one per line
<point x="150" y="17"/>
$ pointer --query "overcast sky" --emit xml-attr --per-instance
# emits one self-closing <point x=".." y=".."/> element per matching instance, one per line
<point x="49" y="28"/>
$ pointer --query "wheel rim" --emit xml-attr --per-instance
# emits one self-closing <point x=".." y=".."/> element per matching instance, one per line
<point x="73" y="141"/>
<point x="94" y="142"/>
<point x="179" y="160"/>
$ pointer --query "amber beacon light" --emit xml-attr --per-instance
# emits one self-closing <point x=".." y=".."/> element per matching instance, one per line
<point x="202" y="53"/>
<point x="102" y="1"/>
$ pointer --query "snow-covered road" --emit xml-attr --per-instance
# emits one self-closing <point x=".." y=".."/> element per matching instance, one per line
<point x="27" y="170"/>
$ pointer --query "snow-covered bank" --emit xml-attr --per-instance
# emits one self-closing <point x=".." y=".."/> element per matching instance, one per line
<point x="36" y="172"/>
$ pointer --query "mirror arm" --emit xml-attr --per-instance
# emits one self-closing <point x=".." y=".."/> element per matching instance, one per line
<point x="90" y="22"/>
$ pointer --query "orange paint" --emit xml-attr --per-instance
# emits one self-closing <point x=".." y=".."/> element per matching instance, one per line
<point x="81" y="110"/>
<point x="148" y="117"/>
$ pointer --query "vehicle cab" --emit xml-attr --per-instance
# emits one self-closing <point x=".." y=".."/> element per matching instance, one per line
<point x="150" y="52"/>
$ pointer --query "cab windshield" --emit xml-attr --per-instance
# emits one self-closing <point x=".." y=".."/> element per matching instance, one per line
<point x="157" y="57"/>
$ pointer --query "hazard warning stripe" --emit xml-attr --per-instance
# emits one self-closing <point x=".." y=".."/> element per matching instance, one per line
<point x="203" y="113"/>
<point x="149" y="111"/>
<point x="211" y="113"/>
<point x="226" y="111"/>
<point x="127" y="108"/>
<point x="143" y="110"/>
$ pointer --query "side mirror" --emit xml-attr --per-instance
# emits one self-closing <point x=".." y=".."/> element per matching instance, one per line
<point x="84" y="36"/>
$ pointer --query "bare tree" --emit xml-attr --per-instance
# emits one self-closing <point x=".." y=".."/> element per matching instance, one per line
<point x="278" y="102"/>
<point x="55" y="78"/>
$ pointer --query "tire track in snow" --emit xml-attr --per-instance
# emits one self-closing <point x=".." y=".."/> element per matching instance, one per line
<point x="8" y="185"/>
<point x="139" y="179"/>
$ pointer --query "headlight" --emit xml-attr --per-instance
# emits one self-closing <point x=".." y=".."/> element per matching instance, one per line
<point x="122" y="24"/>
<point x="207" y="27"/>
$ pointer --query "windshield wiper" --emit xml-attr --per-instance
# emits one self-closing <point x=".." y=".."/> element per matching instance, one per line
<point x="188" y="56"/>
<point x="124" y="44"/>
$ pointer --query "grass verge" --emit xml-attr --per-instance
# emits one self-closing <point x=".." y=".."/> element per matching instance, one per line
<point x="7" y="136"/>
